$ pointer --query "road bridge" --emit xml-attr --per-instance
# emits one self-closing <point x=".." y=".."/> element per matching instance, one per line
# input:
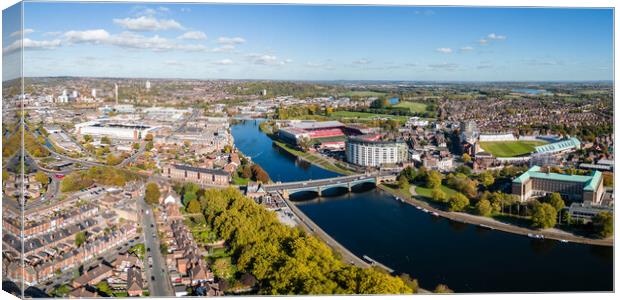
<point x="320" y="185"/>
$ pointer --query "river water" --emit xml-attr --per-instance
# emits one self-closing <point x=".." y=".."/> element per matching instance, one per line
<point x="434" y="250"/>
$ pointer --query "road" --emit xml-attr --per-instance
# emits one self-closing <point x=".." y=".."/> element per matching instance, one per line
<point x="161" y="286"/>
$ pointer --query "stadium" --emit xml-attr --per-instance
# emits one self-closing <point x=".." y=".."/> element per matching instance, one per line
<point x="328" y="134"/>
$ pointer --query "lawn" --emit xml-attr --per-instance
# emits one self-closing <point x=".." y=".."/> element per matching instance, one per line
<point x="427" y="192"/>
<point x="366" y="116"/>
<point x="510" y="148"/>
<point x="415" y="107"/>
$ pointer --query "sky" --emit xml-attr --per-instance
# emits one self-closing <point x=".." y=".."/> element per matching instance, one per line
<point x="306" y="42"/>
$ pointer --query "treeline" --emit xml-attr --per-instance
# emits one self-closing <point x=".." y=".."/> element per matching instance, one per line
<point x="285" y="260"/>
<point x="78" y="180"/>
<point x="32" y="145"/>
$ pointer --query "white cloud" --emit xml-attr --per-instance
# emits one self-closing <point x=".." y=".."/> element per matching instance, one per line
<point x="444" y="50"/>
<point x="185" y="9"/>
<point x="483" y="42"/>
<point x="147" y="23"/>
<point x="230" y="40"/>
<point x="314" y="64"/>
<point x="173" y="63"/>
<point x="225" y="48"/>
<point x="129" y="40"/>
<point x="95" y="36"/>
<point x="466" y="49"/>
<point x="163" y="8"/>
<point x="223" y="62"/>
<point x="266" y="59"/>
<point x="21" y="32"/>
<point x="193" y="35"/>
<point x="28" y="44"/>
<point x="52" y="33"/>
<point x="493" y="36"/>
<point x="362" y="61"/>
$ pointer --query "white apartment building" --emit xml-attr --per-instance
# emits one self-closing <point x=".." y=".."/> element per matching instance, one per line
<point x="375" y="153"/>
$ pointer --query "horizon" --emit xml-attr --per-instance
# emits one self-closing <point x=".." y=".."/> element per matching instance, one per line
<point x="311" y="42"/>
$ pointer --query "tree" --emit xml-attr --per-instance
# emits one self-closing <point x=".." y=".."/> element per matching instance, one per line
<point x="466" y="158"/>
<point x="433" y="180"/>
<point x="135" y="146"/>
<point x="305" y="143"/>
<point x="88" y="138"/>
<point x="106" y="140"/>
<point x="544" y="216"/>
<point x="41" y="178"/>
<point x="438" y="195"/>
<point x="555" y="199"/>
<point x="458" y="202"/>
<point x="148" y="146"/>
<point x="483" y="207"/>
<point x="104" y="287"/>
<point x="80" y="238"/>
<point x="152" y="193"/>
<point x="409" y="173"/>
<point x="258" y="174"/>
<point x="603" y="224"/>
<point x="486" y="178"/>
<point x="148" y="137"/>
<point x="442" y="289"/>
<point x="403" y="183"/>
<point x="246" y="171"/>
<point x="193" y="207"/>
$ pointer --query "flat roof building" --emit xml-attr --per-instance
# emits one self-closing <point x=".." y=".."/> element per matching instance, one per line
<point x="584" y="188"/>
<point x="371" y="152"/>
<point x="561" y="146"/>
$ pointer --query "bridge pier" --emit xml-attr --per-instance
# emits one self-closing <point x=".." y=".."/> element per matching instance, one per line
<point x="318" y="190"/>
<point x="349" y="187"/>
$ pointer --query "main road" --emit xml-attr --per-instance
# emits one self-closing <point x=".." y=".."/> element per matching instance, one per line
<point x="157" y="272"/>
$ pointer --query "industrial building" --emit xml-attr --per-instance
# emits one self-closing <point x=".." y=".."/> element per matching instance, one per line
<point x="578" y="188"/>
<point x="369" y="151"/>
<point x="197" y="175"/>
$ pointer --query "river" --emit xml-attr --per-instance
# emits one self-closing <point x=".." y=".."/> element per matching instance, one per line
<point x="433" y="250"/>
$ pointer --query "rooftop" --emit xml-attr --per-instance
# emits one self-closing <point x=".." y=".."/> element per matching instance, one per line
<point x="559" y="146"/>
<point x="590" y="181"/>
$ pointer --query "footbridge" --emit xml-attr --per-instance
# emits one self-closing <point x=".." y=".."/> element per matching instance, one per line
<point x="318" y="186"/>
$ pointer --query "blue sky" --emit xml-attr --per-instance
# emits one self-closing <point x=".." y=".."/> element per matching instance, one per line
<point x="315" y="42"/>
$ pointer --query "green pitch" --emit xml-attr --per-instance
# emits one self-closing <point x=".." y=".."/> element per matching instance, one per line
<point x="510" y="148"/>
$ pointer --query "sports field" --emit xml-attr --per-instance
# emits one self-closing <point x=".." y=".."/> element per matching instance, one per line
<point x="366" y="116"/>
<point x="415" y="107"/>
<point x="510" y="148"/>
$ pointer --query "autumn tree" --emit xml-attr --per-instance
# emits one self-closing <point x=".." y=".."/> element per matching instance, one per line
<point x="483" y="208"/>
<point x="152" y="193"/>
<point x="458" y="202"/>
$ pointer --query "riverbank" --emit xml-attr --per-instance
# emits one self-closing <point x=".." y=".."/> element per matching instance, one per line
<point x="315" y="159"/>
<point x="493" y="224"/>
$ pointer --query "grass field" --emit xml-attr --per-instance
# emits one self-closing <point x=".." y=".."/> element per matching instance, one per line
<point x="426" y="192"/>
<point x="510" y="148"/>
<point x="415" y="107"/>
<point x="366" y="116"/>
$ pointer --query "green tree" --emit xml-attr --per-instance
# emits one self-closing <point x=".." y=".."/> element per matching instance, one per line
<point x="104" y="287"/>
<point x="148" y="146"/>
<point x="438" y="195"/>
<point x="555" y="199"/>
<point x="106" y="140"/>
<point x="88" y="138"/>
<point x="544" y="216"/>
<point x="486" y="178"/>
<point x="41" y="178"/>
<point x="483" y="208"/>
<point x="135" y="146"/>
<point x="152" y="193"/>
<point x="458" y="202"/>
<point x="466" y="158"/>
<point x="80" y="238"/>
<point x="193" y="207"/>
<point x="603" y="224"/>
<point x="433" y="180"/>
<point x="403" y="183"/>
